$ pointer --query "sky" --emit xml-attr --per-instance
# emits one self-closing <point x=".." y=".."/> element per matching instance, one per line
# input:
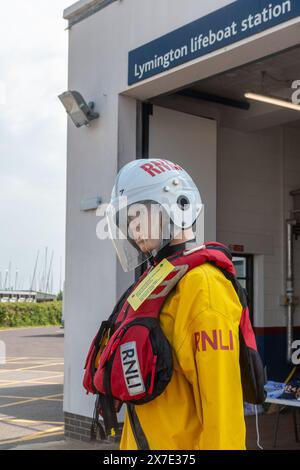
<point x="33" y="71"/>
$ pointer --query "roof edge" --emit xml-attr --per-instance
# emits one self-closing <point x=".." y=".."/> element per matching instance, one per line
<point x="83" y="9"/>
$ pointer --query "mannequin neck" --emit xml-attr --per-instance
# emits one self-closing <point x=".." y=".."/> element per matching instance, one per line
<point x="184" y="236"/>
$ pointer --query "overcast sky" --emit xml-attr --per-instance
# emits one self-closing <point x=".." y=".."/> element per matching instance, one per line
<point x="33" y="71"/>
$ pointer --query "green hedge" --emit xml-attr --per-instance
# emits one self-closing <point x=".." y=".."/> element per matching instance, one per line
<point x="30" y="314"/>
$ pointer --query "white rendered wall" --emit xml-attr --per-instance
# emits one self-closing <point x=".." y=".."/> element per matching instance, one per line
<point x="90" y="289"/>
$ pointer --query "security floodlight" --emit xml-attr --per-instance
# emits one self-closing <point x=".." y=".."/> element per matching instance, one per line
<point x="79" y="111"/>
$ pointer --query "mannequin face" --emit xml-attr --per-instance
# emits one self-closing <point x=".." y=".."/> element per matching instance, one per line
<point x="145" y="226"/>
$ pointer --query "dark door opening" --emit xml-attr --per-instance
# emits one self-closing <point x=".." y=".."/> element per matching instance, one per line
<point x="244" y="268"/>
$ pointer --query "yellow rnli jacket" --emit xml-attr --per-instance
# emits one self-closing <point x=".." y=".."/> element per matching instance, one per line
<point x="202" y="406"/>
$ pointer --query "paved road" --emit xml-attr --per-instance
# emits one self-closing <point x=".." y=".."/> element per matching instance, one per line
<point x="31" y="386"/>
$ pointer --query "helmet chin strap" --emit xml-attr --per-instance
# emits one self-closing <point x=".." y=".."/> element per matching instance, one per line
<point x="154" y="253"/>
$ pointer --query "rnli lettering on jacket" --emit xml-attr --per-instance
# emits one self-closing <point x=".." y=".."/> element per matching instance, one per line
<point x="214" y="339"/>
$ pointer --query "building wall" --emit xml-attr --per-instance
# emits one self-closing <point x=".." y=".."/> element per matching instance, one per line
<point x="90" y="286"/>
<point x="98" y="60"/>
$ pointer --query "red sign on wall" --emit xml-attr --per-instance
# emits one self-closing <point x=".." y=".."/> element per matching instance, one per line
<point x="237" y="248"/>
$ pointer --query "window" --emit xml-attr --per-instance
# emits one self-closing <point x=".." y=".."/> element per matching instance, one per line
<point x="244" y="269"/>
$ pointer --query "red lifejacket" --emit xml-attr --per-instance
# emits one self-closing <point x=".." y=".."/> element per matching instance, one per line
<point x="135" y="363"/>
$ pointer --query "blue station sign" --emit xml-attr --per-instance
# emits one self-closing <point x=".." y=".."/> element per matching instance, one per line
<point x="238" y="20"/>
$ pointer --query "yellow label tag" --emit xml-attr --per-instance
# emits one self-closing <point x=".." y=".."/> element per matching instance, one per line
<point x="149" y="284"/>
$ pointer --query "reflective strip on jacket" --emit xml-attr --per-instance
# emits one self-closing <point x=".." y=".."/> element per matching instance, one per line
<point x="202" y="407"/>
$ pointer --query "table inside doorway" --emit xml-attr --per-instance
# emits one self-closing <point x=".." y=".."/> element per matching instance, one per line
<point x="281" y="402"/>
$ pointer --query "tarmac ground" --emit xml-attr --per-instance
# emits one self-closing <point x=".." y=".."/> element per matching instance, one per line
<point x="31" y="386"/>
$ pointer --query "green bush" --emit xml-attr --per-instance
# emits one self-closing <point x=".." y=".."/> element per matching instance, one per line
<point x="60" y="295"/>
<point x="30" y="314"/>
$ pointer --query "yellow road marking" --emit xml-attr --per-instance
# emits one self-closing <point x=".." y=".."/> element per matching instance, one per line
<point x="27" y="424"/>
<point x="24" y="398"/>
<point x="37" y="380"/>
<point x="52" y="399"/>
<point x="57" y="431"/>
<point x="41" y="365"/>
<point x="33" y="358"/>
<point x="44" y="358"/>
<point x="30" y="421"/>
<point x="10" y="359"/>
<point x="47" y="383"/>
<point x="37" y="371"/>
<point x="29" y="381"/>
<point x="17" y="357"/>
<point x="17" y="362"/>
<point x="30" y="328"/>
<point x="29" y="400"/>
<point x="33" y="367"/>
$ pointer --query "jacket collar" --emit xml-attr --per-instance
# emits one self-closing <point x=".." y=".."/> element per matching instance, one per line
<point x="170" y="250"/>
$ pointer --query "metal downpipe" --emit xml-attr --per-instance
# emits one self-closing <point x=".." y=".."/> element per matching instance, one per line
<point x="290" y="288"/>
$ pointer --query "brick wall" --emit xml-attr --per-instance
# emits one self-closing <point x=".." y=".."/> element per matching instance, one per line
<point x="79" y="428"/>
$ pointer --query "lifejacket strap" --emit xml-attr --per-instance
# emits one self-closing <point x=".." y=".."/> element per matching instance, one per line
<point x="137" y="430"/>
<point x="109" y="416"/>
<point x="96" y="426"/>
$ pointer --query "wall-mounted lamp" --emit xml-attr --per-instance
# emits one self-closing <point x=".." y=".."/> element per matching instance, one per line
<point x="79" y="111"/>
<point x="273" y="101"/>
<point x="264" y="97"/>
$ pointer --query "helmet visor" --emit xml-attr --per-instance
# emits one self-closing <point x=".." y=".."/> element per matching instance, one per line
<point x="137" y="231"/>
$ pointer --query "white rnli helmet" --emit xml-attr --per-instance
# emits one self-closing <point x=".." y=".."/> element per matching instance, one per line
<point x="163" y="184"/>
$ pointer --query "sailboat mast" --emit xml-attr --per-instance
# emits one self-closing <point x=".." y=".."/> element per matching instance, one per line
<point x="34" y="271"/>
<point x="50" y="266"/>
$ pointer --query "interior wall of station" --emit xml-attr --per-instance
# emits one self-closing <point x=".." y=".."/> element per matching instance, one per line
<point x="256" y="172"/>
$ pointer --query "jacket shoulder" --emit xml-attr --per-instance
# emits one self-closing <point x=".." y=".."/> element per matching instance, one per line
<point x="211" y="284"/>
